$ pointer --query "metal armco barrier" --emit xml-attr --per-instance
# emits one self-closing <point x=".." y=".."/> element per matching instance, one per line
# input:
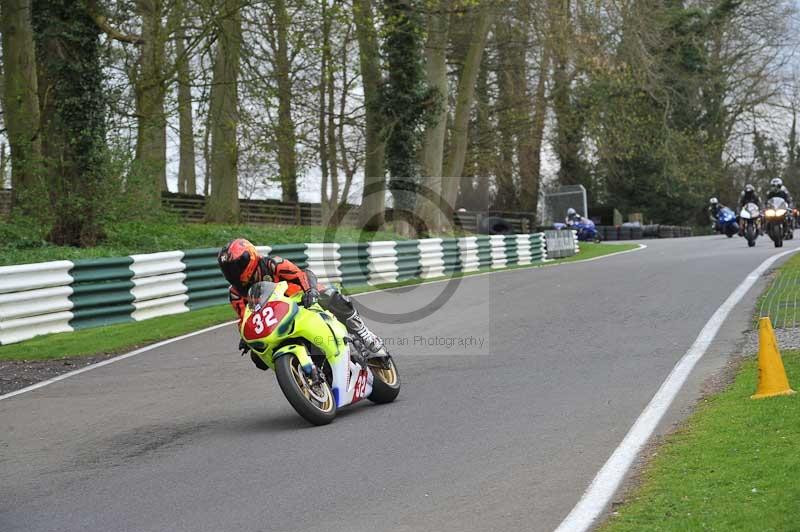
<point x="63" y="296"/>
<point x="561" y="243"/>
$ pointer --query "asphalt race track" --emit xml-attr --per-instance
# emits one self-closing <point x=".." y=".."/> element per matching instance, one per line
<point x="516" y="389"/>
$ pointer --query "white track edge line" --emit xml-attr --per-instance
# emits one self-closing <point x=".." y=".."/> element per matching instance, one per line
<point x="595" y="499"/>
<point x="106" y="362"/>
<point x="162" y="343"/>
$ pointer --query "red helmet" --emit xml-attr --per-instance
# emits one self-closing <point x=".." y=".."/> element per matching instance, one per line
<point x="238" y="261"/>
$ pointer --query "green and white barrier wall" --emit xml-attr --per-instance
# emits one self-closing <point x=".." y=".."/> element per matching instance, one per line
<point x="64" y="295"/>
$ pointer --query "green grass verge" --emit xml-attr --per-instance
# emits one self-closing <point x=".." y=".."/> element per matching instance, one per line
<point x="128" y="336"/>
<point x="590" y="250"/>
<point x="733" y="467"/>
<point x="781" y="301"/>
<point x="22" y="243"/>
<point x="115" y="338"/>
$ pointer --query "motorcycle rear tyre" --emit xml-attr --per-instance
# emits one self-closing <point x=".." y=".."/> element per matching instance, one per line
<point x="383" y="391"/>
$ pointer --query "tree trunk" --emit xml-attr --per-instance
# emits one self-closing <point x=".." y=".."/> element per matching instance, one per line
<point x="20" y="100"/>
<point x="207" y="149"/>
<point x="3" y="165"/>
<point x="333" y="159"/>
<point x="486" y="143"/>
<point x="70" y="77"/>
<point x="373" y="198"/>
<point x="429" y="205"/>
<point x="223" y="203"/>
<point x="324" y="157"/>
<point x="286" y="138"/>
<point x="187" y="176"/>
<point x="464" y="99"/>
<point x="568" y="121"/>
<point x="149" y="86"/>
<point x="344" y="97"/>
<point x="531" y="149"/>
<point x="508" y="113"/>
<point x="404" y="102"/>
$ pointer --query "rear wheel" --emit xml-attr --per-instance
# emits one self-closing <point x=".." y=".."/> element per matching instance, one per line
<point x="312" y="400"/>
<point x="386" y="380"/>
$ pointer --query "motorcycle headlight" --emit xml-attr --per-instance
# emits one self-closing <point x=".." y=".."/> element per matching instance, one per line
<point x="781" y="212"/>
<point x="770" y="213"/>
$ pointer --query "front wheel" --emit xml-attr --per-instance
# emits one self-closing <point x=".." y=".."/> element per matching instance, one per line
<point x="385" y="381"/>
<point x="750" y="233"/>
<point x="776" y="233"/>
<point x="313" y="401"/>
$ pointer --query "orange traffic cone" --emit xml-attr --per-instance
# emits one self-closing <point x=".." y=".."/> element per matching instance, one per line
<point x="772" y="380"/>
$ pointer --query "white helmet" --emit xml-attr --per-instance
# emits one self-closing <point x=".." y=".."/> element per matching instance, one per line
<point x="571" y="212"/>
<point x="776" y="182"/>
<point x="713" y="201"/>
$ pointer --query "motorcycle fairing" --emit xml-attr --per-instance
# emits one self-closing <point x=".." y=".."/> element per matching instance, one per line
<point x="350" y="381"/>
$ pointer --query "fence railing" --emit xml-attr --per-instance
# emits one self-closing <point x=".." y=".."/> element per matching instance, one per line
<point x="192" y="208"/>
<point x="63" y="296"/>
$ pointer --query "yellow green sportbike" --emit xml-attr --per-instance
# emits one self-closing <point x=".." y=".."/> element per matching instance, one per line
<point x="319" y="366"/>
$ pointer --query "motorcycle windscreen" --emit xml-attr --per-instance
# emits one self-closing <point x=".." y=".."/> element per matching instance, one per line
<point x="750" y="210"/>
<point x="777" y="203"/>
<point x="259" y="294"/>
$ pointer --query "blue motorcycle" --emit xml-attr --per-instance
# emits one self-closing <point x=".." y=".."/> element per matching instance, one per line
<point x="726" y="220"/>
<point x="584" y="227"/>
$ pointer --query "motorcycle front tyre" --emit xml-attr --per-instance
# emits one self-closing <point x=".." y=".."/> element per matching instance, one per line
<point x="289" y="374"/>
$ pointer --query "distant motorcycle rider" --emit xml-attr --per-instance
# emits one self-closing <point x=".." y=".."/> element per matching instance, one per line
<point x="714" y="206"/>
<point x="748" y="195"/>
<point x="778" y="190"/>
<point x="572" y="217"/>
<point x="243" y="266"/>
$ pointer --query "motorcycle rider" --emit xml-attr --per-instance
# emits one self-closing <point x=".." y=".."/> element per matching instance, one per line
<point x="243" y="266"/>
<point x="572" y="217"/>
<point x="778" y="190"/>
<point x="748" y="195"/>
<point x="714" y="206"/>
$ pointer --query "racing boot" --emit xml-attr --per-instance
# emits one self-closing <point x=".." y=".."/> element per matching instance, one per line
<point x="357" y="327"/>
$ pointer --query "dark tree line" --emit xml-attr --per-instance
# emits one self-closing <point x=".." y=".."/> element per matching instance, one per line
<point x="435" y="104"/>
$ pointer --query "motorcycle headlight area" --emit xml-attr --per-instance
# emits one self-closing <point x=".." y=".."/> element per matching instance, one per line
<point x="770" y="213"/>
<point x="780" y="212"/>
